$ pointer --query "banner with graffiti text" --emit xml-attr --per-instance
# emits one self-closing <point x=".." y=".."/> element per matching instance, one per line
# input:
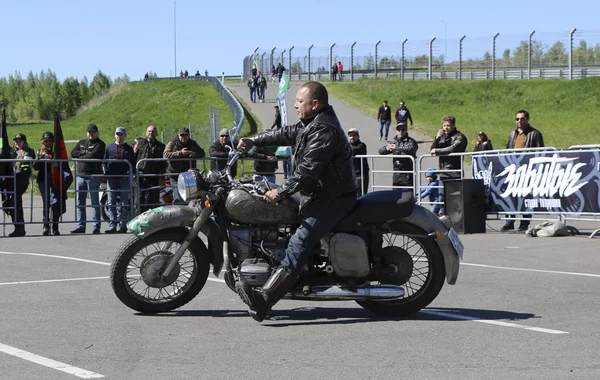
<point x="565" y="182"/>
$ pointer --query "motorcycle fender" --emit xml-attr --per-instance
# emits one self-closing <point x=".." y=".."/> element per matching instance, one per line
<point x="215" y="244"/>
<point x="160" y="218"/>
<point x="429" y="223"/>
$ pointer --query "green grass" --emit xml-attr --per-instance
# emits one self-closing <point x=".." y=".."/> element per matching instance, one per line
<point x="566" y="112"/>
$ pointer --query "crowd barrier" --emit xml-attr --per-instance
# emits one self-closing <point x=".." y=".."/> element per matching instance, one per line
<point x="380" y="178"/>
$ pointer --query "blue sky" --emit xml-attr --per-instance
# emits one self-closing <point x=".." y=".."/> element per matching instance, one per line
<point x="77" y="38"/>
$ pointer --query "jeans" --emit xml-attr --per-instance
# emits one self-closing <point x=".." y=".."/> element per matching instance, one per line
<point x="87" y="184"/>
<point x="320" y="216"/>
<point x="384" y="124"/>
<point x="340" y="77"/>
<point x="287" y="168"/>
<point x="260" y="177"/>
<point x="118" y="193"/>
<point x="253" y="95"/>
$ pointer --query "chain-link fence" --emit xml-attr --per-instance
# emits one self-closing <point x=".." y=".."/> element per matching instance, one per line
<point x="567" y="54"/>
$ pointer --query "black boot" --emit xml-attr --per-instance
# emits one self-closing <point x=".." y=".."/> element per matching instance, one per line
<point x="18" y="232"/>
<point x="46" y="230"/>
<point x="261" y="301"/>
<point x="55" y="230"/>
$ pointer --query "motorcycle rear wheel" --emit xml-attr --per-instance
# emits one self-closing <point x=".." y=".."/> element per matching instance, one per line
<point x="135" y="271"/>
<point x="427" y="277"/>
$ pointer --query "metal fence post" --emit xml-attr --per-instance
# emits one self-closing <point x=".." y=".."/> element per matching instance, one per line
<point x="571" y="53"/>
<point x="282" y="60"/>
<point x="309" y="49"/>
<point x="290" y="61"/>
<point x="272" y="53"/>
<point x="331" y="61"/>
<point x="460" y="50"/>
<point x="429" y="72"/>
<point x="352" y="61"/>
<point x="262" y="61"/>
<point x="494" y="56"/>
<point x="402" y="60"/>
<point x="529" y="56"/>
<point x="376" y="45"/>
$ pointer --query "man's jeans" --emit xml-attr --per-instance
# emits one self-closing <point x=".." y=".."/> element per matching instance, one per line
<point x="384" y="124"/>
<point x="118" y="193"/>
<point x="319" y="217"/>
<point x="87" y="184"/>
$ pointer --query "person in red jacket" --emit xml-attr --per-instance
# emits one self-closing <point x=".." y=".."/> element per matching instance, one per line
<point x="340" y="69"/>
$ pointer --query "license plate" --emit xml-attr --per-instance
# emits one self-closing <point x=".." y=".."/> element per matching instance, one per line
<point x="456" y="243"/>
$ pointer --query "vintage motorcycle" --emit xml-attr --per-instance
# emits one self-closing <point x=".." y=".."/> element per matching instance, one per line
<point x="389" y="255"/>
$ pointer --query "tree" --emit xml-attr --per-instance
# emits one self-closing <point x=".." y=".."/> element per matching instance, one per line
<point x="506" y="55"/>
<point x="50" y="95"/>
<point x="84" y="90"/>
<point x="557" y="54"/>
<point x="70" y="91"/>
<point x="521" y="53"/>
<point x="122" y="80"/>
<point x="100" y="84"/>
<point x="582" y="55"/>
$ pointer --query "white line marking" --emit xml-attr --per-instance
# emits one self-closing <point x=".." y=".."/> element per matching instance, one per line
<point x="58" y="280"/>
<point x="79" y="372"/>
<point x="533" y="270"/>
<point x="55" y="257"/>
<point x="491" y="322"/>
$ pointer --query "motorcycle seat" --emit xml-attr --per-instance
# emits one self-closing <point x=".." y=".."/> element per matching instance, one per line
<point x="377" y="207"/>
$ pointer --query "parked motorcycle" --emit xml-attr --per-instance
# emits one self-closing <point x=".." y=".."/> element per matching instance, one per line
<point x="389" y="255"/>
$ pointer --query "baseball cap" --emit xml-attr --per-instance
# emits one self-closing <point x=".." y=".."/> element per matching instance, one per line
<point x="353" y="130"/>
<point x="92" y="127"/>
<point x="184" y="131"/>
<point x="20" y="136"/>
<point x="481" y="133"/>
<point x="224" y="132"/>
<point x="430" y="172"/>
<point x="401" y="127"/>
<point x="48" y="136"/>
<point x="120" y="130"/>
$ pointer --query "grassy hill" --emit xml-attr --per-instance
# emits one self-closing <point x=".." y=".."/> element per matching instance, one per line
<point x="167" y="104"/>
<point x="566" y="112"/>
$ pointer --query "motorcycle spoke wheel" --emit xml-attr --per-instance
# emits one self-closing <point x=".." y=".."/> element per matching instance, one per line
<point x="136" y="273"/>
<point x="426" y="276"/>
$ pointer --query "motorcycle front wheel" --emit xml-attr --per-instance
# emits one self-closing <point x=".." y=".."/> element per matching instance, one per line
<point x="136" y="272"/>
<point x="420" y="270"/>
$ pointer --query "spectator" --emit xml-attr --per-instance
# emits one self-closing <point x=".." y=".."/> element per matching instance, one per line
<point x="219" y="153"/>
<point x="277" y="121"/>
<point x="273" y="73"/>
<point x="403" y="145"/>
<point x="17" y="187"/>
<point x="361" y="165"/>
<point x="403" y="115"/>
<point x="178" y="149"/>
<point x="150" y="171"/>
<point x="262" y="87"/>
<point x="197" y="75"/>
<point x="384" y="118"/>
<point x="54" y="200"/>
<point x="146" y="76"/>
<point x="119" y="181"/>
<point x="280" y="71"/>
<point x="287" y="164"/>
<point x="254" y="71"/>
<point x="483" y="143"/>
<point x="334" y="72"/>
<point x="340" y="71"/>
<point x="448" y="140"/>
<point x="206" y="73"/>
<point x="252" y="85"/>
<point x="88" y="177"/>
<point x="265" y="162"/>
<point x="180" y="74"/>
<point x="431" y="190"/>
<point x="522" y="137"/>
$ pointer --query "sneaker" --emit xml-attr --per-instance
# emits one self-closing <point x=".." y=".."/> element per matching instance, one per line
<point x="523" y="228"/>
<point x="78" y="230"/>
<point x="112" y="230"/>
<point x="46" y="233"/>
<point x="380" y="138"/>
<point x="96" y="231"/>
<point x="56" y="233"/>
<point x="507" y="227"/>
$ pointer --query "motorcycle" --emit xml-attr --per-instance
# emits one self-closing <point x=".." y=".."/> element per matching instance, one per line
<point x="389" y="254"/>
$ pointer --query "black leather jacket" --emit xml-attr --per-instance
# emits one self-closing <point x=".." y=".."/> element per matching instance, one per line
<point x="456" y="142"/>
<point x="322" y="160"/>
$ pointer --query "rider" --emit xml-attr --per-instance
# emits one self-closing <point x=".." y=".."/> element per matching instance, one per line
<point x="324" y="176"/>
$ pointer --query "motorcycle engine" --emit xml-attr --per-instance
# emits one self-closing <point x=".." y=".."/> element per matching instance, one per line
<point x="348" y="254"/>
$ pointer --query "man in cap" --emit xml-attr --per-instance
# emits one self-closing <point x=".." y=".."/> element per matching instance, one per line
<point x="182" y="153"/>
<point x="219" y="152"/>
<point x="150" y="171"/>
<point x="18" y="187"/>
<point x="402" y="145"/>
<point x="118" y="175"/>
<point x="361" y="165"/>
<point x="88" y="177"/>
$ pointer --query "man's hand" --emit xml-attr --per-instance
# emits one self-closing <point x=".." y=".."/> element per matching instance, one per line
<point x="271" y="158"/>
<point x="433" y="152"/>
<point x="272" y="196"/>
<point x="246" y="143"/>
<point x="390" y="147"/>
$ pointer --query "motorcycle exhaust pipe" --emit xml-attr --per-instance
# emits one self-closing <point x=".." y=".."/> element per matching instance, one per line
<point x="336" y="293"/>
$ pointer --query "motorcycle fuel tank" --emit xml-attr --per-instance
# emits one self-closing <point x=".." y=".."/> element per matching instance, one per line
<point x="247" y="208"/>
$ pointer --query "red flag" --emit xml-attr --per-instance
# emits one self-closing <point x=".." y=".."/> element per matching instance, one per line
<point x="61" y="173"/>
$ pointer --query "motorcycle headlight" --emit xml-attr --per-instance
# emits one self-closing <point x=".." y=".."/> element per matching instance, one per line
<point x="189" y="183"/>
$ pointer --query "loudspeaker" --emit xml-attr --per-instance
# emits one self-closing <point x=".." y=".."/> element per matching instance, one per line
<point x="464" y="200"/>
